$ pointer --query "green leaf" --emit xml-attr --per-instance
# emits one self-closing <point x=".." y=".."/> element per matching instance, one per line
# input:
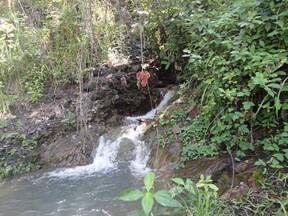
<point x="260" y="163"/>
<point x="243" y="93"/>
<point x="278" y="104"/>
<point x="189" y="186"/>
<point x="269" y="91"/>
<point x="274" y="85"/>
<point x="286" y="153"/>
<point x="178" y="181"/>
<point x="147" y="202"/>
<point x="279" y="157"/>
<point x="130" y="195"/>
<point x="149" y="181"/>
<point x="284" y="13"/>
<point x="275" y="164"/>
<point x="213" y="187"/>
<point x="248" y="105"/>
<point x="164" y="198"/>
<point x="273" y="33"/>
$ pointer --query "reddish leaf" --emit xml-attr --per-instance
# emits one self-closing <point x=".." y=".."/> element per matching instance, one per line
<point x="142" y="79"/>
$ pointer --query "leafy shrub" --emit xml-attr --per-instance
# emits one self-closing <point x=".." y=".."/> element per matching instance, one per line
<point x="200" y="199"/>
<point x="235" y="52"/>
<point x="193" y="140"/>
<point x="194" y="199"/>
<point x="276" y="150"/>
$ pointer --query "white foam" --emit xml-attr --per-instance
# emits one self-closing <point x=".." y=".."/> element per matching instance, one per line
<point x="104" y="160"/>
<point x="106" y="153"/>
<point x="151" y="114"/>
<point x="138" y="166"/>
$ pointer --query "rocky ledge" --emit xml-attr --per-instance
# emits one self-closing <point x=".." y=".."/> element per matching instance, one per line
<point x="63" y="128"/>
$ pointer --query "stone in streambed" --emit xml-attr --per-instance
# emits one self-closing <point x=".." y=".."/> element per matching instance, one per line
<point x="126" y="150"/>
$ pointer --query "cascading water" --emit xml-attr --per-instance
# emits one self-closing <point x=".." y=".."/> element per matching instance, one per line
<point x="86" y="190"/>
<point x="106" y="153"/>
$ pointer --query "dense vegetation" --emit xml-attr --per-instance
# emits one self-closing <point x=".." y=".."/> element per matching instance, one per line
<point x="232" y="59"/>
<point x="52" y="42"/>
<point x="229" y="56"/>
<point x="233" y="54"/>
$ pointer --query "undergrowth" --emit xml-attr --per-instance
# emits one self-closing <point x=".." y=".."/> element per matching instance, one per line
<point x="48" y="44"/>
<point x="233" y="56"/>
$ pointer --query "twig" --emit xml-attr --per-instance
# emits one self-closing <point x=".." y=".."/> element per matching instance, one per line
<point x="106" y="213"/>
<point x="22" y="8"/>
<point x="251" y="129"/>
<point x="233" y="169"/>
<point x="215" y="118"/>
<point x="158" y="143"/>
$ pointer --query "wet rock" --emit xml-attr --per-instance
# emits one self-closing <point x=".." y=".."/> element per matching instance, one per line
<point x="68" y="151"/>
<point x="126" y="150"/>
<point x="206" y="166"/>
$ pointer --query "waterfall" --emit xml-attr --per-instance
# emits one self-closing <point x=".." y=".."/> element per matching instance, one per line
<point x="105" y="158"/>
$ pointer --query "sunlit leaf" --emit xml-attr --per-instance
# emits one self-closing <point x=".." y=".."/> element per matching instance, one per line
<point x="178" y="181"/>
<point x="164" y="198"/>
<point x="147" y="202"/>
<point x="149" y="181"/>
<point x="130" y="195"/>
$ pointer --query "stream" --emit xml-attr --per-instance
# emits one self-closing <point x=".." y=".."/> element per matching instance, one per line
<point x="120" y="162"/>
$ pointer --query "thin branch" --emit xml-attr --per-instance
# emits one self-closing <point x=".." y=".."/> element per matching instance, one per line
<point x="233" y="169"/>
<point x="106" y="213"/>
<point x="22" y="8"/>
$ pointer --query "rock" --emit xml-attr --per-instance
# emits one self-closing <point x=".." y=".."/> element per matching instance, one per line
<point x="126" y="150"/>
<point x="206" y="166"/>
<point x="235" y="192"/>
<point x="67" y="152"/>
<point x="243" y="166"/>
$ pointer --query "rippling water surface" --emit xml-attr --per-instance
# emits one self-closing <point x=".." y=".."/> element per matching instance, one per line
<point x="86" y="190"/>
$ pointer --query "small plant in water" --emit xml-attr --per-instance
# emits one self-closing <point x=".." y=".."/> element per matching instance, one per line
<point x="148" y="196"/>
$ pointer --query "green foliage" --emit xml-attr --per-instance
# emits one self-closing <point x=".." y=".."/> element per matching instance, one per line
<point x="13" y="160"/>
<point x="48" y="43"/>
<point x="26" y="141"/>
<point x="70" y="119"/>
<point x="7" y="171"/>
<point x="231" y="50"/>
<point x="147" y="196"/>
<point x="230" y="129"/>
<point x="177" y="116"/>
<point x="3" y="122"/>
<point x="191" y="134"/>
<point x="193" y="140"/>
<point x="20" y="53"/>
<point x="276" y="151"/>
<point x="200" y="199"/>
